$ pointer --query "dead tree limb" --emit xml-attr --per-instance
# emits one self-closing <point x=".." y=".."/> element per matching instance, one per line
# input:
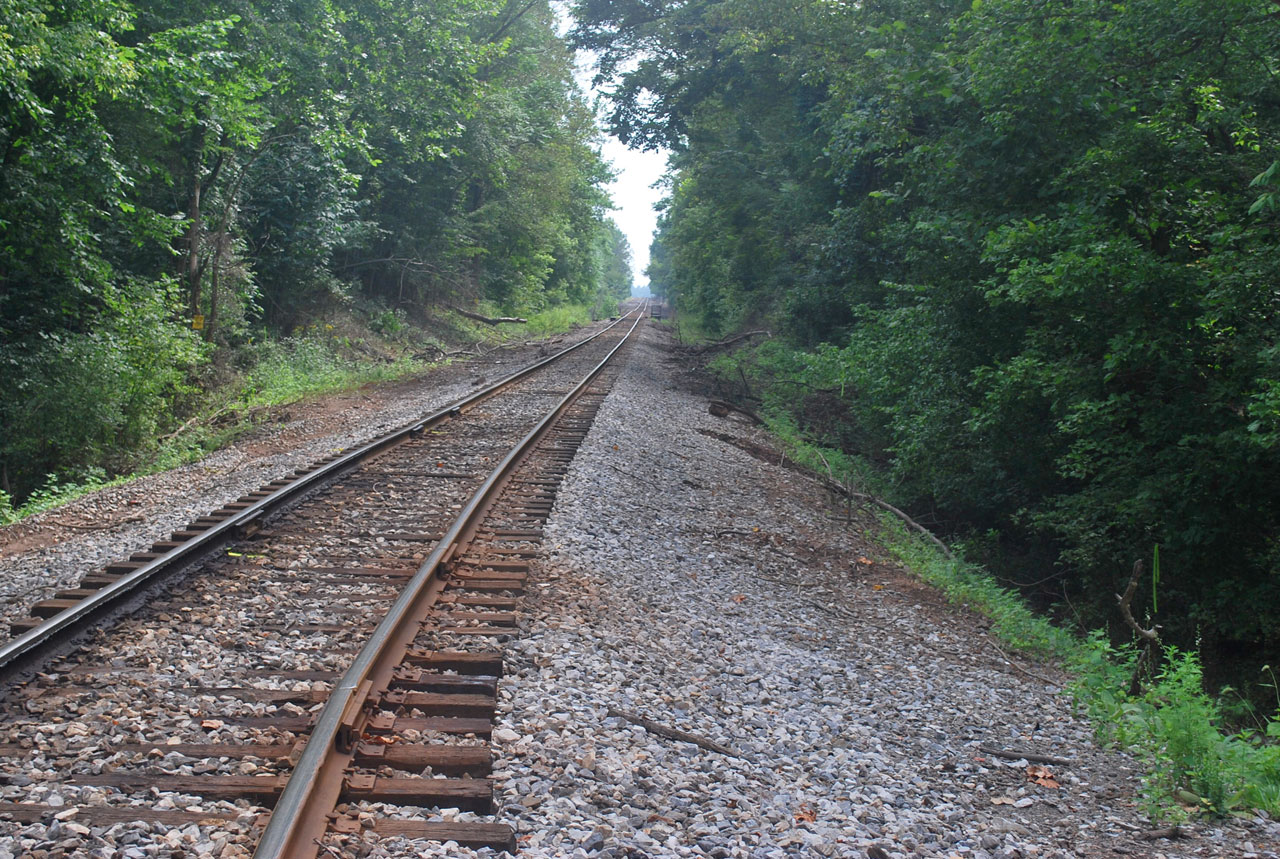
<point x="1173" y="832"/>
<point x="1150" y="637"/>
<point x="729" y="341"/>
<point x="1022" y="755"/>
<point x="488" y="320"/>
<point x="672" y="733"/>
<point x="721" y="408"/>
<point x="837" y="486"/>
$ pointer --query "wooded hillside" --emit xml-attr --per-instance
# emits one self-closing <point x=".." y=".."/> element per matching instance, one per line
<point x="182" y="180"/>
<point x="1025" y="256"/>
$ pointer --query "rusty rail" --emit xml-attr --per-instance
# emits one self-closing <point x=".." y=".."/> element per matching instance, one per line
<point x="34" y="645"/>
<point x="301" y="814"/>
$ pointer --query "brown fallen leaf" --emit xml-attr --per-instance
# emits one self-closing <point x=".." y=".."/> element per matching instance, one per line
<point x="1041" y="776"/>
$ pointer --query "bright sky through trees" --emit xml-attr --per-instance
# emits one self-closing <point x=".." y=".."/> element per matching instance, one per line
<point x="633" y="190"/>
<point x="635" y="197"/>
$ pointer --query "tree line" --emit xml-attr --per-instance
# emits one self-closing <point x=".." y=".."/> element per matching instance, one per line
<point x="1025" y="256"/>
<point x="181" y="178"/>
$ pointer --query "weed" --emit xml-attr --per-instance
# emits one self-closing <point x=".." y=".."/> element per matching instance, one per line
<point x="58" y="489"/>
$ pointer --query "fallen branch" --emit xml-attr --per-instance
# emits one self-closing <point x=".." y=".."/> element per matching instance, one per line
<point x="885" y="505"/>
<point x="1016" y="667"/>
<point x="488" y="320"/>
<point x="198" y="420"/>
<point x="840" y="488"/>
<point x="721" y="408"/>
<point x="1173" y="832"/>
<point x="96" y="527"/>
<point x="672" y="733"/>
<point x="1022" y="755"/>
<point x="729" y="341"/>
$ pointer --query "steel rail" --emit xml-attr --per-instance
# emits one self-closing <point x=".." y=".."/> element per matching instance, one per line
<point x="28" y="647"/>
<point x="314" y="787"/>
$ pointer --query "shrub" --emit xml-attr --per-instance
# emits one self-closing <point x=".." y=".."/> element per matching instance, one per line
<point x="95" y="399"/>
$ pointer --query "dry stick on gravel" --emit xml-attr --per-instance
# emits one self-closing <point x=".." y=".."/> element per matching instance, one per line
<point x="97" y="527"/>
<point x="721" y="408"/>
<point x="1156" y="834"/>
<point x="836" y="486"/>
<point x="673" y="733"/>
<point x="731" y="340"/>
<point x="1021" y="755"/>
<point x="1008" y="660"/>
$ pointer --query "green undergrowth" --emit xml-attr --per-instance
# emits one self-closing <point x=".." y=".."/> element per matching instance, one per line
<point x="546" y="322"/>
<point x="56" y="491"/>
<point x="293" y="369"/>
<point x="1172" y="725"/>
<point x="286" y="371"/>
<point x="555" y="320"/>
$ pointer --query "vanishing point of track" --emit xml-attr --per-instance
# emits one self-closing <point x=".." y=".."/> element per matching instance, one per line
<point x="328" y="646"/>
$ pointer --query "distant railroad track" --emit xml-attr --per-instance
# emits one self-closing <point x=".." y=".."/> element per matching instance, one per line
<point x="327" y="646"/>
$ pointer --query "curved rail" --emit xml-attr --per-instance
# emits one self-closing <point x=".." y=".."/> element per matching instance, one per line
<point x="28" y="647"/>
<point x="301" y="812"/>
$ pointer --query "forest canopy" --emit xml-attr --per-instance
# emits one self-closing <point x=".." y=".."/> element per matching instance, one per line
<point x="180" y="179"/>
<point x="1025" y="257"/>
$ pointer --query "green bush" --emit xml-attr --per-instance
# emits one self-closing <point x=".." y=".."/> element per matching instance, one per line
<point x="96" y="399"/>
<point x="558" y="319"/>
<point x="296" y="367"/>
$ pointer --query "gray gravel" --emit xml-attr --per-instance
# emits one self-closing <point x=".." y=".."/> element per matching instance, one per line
<point x="693" y="584"/>
<point x="704" y="589"/>
<point x="52" y="551"/>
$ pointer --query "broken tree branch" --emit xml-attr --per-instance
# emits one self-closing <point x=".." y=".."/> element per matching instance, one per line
<point x="672" y="733"/>
<point x="721" y="408"/>
<point x="488" y="320"/>
<point x="1022" y="755"/>
<point x="838" y="487"/>
<point x="1008" y="660"/>
<point x="1173" y="832"/>
<point x="729" y="341"/>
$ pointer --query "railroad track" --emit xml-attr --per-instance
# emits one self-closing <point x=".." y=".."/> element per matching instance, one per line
<point x="329" y="647"/>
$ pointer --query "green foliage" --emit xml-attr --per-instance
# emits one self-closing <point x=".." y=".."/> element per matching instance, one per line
<point x="97" y="399"/>
<point x="293" y="368"/>
<point x="256" y="164"/>
<point x="1174" y="725"/>
<point x="1018" y="254"/>
<point x="1195" y="767"/>
<point x="556" y="320"/>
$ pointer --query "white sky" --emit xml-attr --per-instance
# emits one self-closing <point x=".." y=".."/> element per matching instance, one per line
<point x="634" y="196"/>
<point x="633" y="191"/>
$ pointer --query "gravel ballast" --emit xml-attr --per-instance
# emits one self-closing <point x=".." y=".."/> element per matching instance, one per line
<point x="53" y="550"/>
<point x="691" y="581"/>
<point x="706" y="589"/>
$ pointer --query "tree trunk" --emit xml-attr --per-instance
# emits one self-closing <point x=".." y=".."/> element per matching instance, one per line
<point x="214" y="284"/>
<point x="192" y="267"/>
